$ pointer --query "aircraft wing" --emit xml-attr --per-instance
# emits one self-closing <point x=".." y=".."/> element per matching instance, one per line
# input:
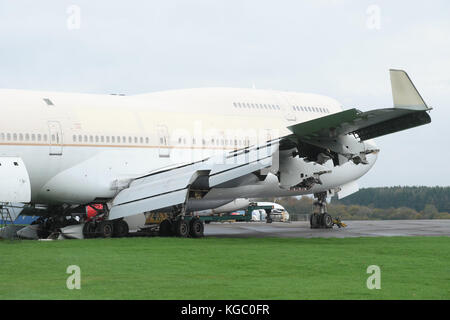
<point x="171" y="188"/>
<point x="366" y="125"/>
<point x="409" y="111"/>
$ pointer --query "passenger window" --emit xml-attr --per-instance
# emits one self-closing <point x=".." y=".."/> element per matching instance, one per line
<point x="38" y="136"/>
<point x="146" y="140"/>
<point x="113" y="139"/>
<point x="74" y="138"/>
<point x="91" y="139"/>
<point x="15" y="136"/>
<point x="20" y="137"/>
<point x="44" y="137"/>
<point x="33" y="137"/>
<point x="96" y="138"/>
<point x="2" y="136"/>
<point x="107" y="139"/>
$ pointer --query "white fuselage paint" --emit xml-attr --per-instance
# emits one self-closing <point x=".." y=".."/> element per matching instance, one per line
<point x="160" y="129"/>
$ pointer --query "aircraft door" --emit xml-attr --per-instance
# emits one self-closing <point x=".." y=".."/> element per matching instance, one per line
<point x="55" y="138"/>
<point x="289" y="113"/>
<point x="163" y="140"/>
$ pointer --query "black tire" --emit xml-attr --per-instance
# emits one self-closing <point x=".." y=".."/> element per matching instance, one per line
<point x="314" y="221"/>
<point x="181" y="228"/>
<point x="43" y="230"/>
<point x="89" y="230"/>
<point x="105" y="229"/>
<point x="196" y="228"/>
<point x="165" y="228"/>
<point x="327" y="221"/>
<point x="121" y="229"/>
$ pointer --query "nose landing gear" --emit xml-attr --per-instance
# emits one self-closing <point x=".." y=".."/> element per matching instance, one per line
<point x="320" y="218"/>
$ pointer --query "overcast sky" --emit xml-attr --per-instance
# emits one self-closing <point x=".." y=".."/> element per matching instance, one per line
<point x="342" y="49"/>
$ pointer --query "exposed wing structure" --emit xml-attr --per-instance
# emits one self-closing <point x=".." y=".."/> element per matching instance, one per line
<point x="340" y="135"/>
<point x="171" y="188"/>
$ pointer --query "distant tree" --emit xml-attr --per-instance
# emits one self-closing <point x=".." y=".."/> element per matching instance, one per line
<point x="429" y="212"/>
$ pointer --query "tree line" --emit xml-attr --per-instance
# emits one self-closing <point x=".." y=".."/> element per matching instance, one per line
<point x="390" y="203"/>
<point x="417" y="198"/>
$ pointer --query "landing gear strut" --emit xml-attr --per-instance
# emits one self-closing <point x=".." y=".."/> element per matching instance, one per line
<point x="320" y="218"/>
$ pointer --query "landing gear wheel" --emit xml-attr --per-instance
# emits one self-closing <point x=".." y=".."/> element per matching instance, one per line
<point x="196" y="228"/>
<point x="43" y="230"/>
<point x="181" y="228"/>
<point x="314" y="221"/>
<point x="89" y="230"/>
<point x="120" y="229"/>
<point x="165" y="228"/>
<point x="105" y="229"/>
<point x="327" y="221"/>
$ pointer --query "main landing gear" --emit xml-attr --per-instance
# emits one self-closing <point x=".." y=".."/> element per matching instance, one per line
<point x="182" y="227"/>
<point x="105" y="229"/>
<point x="320" y="218"/>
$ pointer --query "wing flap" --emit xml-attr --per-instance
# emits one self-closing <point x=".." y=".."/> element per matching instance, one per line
<point x="171" y="187"/>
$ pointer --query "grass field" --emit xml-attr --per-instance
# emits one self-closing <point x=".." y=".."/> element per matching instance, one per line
<point x="211" y="268"/>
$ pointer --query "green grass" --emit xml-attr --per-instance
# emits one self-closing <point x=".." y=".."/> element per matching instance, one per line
<point x="211" y="268"/>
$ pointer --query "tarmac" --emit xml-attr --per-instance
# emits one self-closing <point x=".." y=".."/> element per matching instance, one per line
<point x="301" y="229"/>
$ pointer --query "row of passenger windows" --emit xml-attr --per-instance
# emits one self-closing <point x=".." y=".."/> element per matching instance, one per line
<point x="213" y="141"/>
<point x="76" y="138"/>
<point x="277" y="107"/>
<point x="118" y="139"/>
<point x="24" y="137"/>
<point x="256" y="106"/>
<point x="109" y="139"/>
<point x="310" y="109"/>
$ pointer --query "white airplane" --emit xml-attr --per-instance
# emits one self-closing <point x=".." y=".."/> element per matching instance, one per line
<point x="186" y="151"/>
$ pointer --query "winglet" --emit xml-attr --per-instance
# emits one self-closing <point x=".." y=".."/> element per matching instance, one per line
<point x="404" y="92"/>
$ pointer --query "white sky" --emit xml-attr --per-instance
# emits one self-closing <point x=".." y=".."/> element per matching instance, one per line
<point x="328" y="47"/>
